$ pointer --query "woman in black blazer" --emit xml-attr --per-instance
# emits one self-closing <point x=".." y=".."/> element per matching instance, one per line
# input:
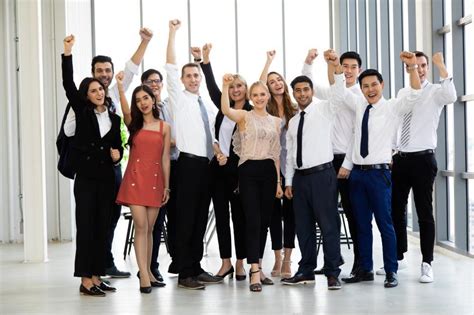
<point x="96" y="147"/>
<point x="224" y="171"/>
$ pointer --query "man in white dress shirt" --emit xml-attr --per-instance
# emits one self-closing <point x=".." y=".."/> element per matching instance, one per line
<point x="414" y="166"/>
<point x="370" y="180"/>
<point x="194" y="120"/>
<point x="342" y="131"/>
<point x="311" y="182"/>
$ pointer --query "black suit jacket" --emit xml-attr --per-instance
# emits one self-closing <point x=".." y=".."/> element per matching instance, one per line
<point x="216" y="94"/>
<point x="90" y="152"/>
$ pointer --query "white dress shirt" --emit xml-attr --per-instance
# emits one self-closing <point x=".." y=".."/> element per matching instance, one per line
<point x="130" y="70"/>
<point x="190" y="132"/>
<point x="225" y="135"/>
<point x="425" y="115"/>
<point x="343" y="127"/>
<point x="167" y="116"/>
<point x="316" y="146"/>
<point x="382" y="124"/>
<point x="104" y="122"/>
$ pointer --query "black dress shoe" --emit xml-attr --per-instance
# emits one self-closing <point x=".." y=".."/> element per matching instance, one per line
<point x="333" y="283"/>
<point x="391" y="280"/>
<point x="115" y="273"/>
<point x="298" y="278"/>
<point x="360" y="276"/>
<point x="156" y="273"/>
<point x="105" y="287"/>
<point x="190" y="283"/>
<point x="93" y="291"/>
<point x="157" y="284"/>
<point x="207" y="278"/>
<point x="145" y="290"/>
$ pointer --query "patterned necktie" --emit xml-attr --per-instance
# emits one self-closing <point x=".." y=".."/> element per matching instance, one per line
<point x="405" y="136"/>
<point x="205" y="119"/>
<point x="364" y="141"/>
<point x="299" y="141"/>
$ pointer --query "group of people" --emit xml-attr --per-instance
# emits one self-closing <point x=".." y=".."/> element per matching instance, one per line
<point x="262" y="160"/>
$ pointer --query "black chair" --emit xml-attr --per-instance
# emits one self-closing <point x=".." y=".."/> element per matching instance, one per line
<point x="345" y="237"/>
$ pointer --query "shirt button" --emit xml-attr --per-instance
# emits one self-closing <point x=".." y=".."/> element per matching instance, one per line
<point x="156" y="175"/>
<point x="154" y="187"/>
<point x="133" y="184"/>
<point x="138" y="160"/>
<point x="101" y="147"/>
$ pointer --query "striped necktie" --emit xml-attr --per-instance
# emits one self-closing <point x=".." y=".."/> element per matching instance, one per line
<point x="405" y="135"/>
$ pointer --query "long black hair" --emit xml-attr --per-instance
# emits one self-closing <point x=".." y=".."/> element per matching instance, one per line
<point x="84" y="88"/>
<point x="137" y="116"/>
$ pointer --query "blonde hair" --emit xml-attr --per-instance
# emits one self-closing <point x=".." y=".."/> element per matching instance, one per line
<point x="244" y="82"/>
<point x="258" y="83"/>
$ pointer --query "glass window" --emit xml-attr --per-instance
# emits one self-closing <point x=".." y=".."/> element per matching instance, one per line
<point x="451" y="220"/>
<point x="119" y="48"/>
<point x="471" y="216"/>
<point x="223" y="54"/>
<point x="260" y="30"/>
<point x="300" y="17"/>
<point x="468" y="53"/>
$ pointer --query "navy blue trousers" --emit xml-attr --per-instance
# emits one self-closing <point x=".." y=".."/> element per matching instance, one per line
<point x="371" y="193"/>
<point x="315" y="200"/>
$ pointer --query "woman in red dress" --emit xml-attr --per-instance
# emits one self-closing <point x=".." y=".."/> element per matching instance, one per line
<point x="145" y="185"/>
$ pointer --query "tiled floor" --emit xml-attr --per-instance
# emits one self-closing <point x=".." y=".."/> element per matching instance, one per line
<point x="49" y="288"/>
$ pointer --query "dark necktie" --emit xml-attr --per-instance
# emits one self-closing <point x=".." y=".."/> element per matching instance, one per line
<point x="364" y="141"/>
<point x="299" y="142"/>
<point x="113" y="107"/>
<point x="205" y="119"/>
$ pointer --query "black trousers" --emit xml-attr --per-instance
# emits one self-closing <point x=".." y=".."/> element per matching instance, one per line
<point x="94" y="199"/>
<point x="168" y="210"/>
<point x="417" y="173"/>
<point x="257" y="185"/>
<point x="223" y="190"/>
<point x="343" y="189"/>
<point x="114" y="217"/>
<point x="192" y="209"/>
<point x="315" y="201"/>
<point x="283" y="209"/>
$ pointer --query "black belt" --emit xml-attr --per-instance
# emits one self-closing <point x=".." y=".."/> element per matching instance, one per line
<point x="194" y="157"/>
<point x="340" y="156"/>
<point x="314" y="169"/>
<point x="424" y="152"/>
<point x="372" y="167"/>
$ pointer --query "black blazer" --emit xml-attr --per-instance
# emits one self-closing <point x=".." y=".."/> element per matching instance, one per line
<point x="215" y="94"/>
<point x="91" y="152"/>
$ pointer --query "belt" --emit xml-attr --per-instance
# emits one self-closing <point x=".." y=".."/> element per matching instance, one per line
<point x="424" y="152"/>
<point x="339" y="156"/>
<point x="372" y="167"/>
<point x="314" y="169"/>
<point x="194" y="157"/>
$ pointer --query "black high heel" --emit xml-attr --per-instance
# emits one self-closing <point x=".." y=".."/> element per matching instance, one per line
<point x="145" y="290"/>
<point x="229" y="273"/>
<point x="240" y="277"/>
<point x="255" y="287"/>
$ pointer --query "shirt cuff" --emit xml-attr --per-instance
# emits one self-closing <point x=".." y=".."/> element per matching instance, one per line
<point x="129" y="65"/>
<point x="339" y="78"/>
<point x="348" y="165"/>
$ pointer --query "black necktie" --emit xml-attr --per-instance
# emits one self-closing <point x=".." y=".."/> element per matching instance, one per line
<point x="364" y="141"/>
<point x="299" y="141"/>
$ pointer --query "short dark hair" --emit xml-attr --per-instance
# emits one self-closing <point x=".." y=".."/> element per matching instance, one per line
<point x="301" y="79"/>
<point x="148" y="73"/>
<point x="189" y="65"/>
<point x="368" y="73"/>
<point x="351" y="55"/>
<point x="101" y="58"/>
<point x="421" y="54"/>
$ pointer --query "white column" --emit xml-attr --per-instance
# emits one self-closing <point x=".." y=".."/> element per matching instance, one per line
<point x="32" y="161"/>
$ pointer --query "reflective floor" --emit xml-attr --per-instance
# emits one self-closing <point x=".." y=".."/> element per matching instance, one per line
<point x="49" y="288"/>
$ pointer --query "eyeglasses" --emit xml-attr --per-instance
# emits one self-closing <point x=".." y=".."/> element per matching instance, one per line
<point x="150" y="82"/>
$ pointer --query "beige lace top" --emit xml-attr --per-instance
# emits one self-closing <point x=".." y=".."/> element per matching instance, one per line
<point x="260" y="140"/>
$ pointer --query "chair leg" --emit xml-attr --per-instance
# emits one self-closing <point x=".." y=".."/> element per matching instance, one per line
<point x="127" y="237"/>
<point x="132" y="238"/>
<point x="345" y="230"/>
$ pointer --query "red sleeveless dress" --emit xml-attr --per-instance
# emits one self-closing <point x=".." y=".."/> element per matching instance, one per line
<point x="143" y="182"/>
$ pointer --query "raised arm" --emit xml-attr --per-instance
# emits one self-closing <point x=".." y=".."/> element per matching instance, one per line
<point x="237" y="115"/>
<point x="68" y="74"/>
<point x="308" y="63"/>
<point x="127" y="117"/>
<point x="146" y="34"/>
<point x="409" y="59"/>
<point x="446" y="94"/>
<point x="264" y="74"/>
<point x="174" y="25"/>
<point x="211" y="84"/>
<point x="340" y="94"/>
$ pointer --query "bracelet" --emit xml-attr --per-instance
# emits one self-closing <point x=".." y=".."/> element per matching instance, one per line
<point x="168" y="190"/>
<point x="279" y="181"/>
<point x="412" y="67"/>
<point x="197" y="59"/>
